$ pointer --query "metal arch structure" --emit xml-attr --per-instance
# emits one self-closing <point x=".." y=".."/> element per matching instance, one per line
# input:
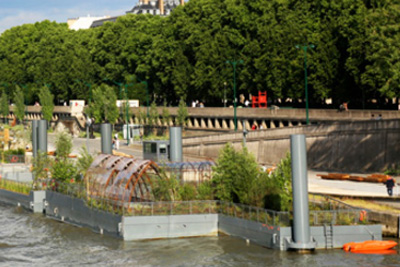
<point x="196" y="171"/>
<point x="121" y="179"/>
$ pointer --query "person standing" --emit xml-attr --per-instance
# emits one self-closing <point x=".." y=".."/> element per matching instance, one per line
<point x="390" y="185"/>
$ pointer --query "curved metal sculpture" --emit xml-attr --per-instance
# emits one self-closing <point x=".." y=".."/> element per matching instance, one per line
<point x="121" y="178"/>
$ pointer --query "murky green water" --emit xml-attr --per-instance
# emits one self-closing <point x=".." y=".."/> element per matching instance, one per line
<point x="28" y="239"/>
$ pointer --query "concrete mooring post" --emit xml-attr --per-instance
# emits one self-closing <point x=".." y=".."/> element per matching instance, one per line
<point x="301" y="238"/>
<point x="42" y="136"/>
<point x="175" y="144"/>
<point x="35" y="137"/>
<point x="106" y="138"/>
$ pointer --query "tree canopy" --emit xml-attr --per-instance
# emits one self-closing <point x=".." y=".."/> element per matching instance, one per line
<point x="183" y="55"/>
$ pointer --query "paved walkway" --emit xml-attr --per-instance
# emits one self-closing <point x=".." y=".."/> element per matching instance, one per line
<point x="347" y="188"/>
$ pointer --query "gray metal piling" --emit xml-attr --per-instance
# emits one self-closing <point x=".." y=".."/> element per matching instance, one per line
<point x="175" y="142"/>
<point x="301" y="238"/>
<point x="106" y="138"/>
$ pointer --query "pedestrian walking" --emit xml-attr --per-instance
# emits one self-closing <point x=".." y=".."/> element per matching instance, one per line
<point x="390" y="185"/>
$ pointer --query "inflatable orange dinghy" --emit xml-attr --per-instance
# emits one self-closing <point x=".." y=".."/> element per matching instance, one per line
<point x="372" y="245"/>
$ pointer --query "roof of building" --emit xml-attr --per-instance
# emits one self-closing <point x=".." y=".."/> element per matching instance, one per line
<point x="100" y="22"/>
<point x="85" y="22"/>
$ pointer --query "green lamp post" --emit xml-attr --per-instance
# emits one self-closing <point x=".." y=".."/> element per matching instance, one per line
<point x="234" y="63"/>
<point x="147" y="95"/>
<point x="305" y="47"/>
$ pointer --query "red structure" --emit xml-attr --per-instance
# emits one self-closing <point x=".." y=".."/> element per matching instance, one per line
<point x="259" y="101"/>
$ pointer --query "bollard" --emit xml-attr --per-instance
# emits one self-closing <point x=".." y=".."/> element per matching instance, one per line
<point x="106" y="138"/>
<point x="42" y="136"/>
<point x="175" y="144"/>
<point x="301" y="238"/>
<point x="35" y="137"/>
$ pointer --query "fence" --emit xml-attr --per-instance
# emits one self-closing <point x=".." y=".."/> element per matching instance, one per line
<point x="337" y="214"/>
<point x="15" y="186"/>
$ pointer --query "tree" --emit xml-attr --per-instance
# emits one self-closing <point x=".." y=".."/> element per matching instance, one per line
<point x="104" y="105"/>
<point x="234" y="174"/>
<point x="63" y="144"/>
<point x="63" y="169"/>
<point x="40" y="168"/>
<point x="153" y="116"/>
<point x="183" y="113"/>
<point x="165" y="116"/>
<point x="84" y="161"/>
<point x="46" y="99"/>
<point x="5" y="109"/>
<point x="19" y="109"/>
<point x="279" y="190"/>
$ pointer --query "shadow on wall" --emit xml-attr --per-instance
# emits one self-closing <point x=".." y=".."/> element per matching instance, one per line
<point x="354" y="151"/>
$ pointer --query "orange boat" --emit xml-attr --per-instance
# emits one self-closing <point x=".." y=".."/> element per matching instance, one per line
<point x="371" y="245"/>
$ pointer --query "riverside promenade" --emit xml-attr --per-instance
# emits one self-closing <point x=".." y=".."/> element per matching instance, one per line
<point x="315" y="183"/>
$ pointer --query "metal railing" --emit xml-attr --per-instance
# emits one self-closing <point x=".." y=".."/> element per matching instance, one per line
<point x="338" y="214"/>
<point x="15" y="186"/>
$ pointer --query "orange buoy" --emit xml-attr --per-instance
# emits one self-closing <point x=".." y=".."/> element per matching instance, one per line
<point x="371" y="245"/>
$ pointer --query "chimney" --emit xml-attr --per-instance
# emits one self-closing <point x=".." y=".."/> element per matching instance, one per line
<point x="146" y="2"/>
<point x="161" y="3"/>
<point x="182" y="2"/>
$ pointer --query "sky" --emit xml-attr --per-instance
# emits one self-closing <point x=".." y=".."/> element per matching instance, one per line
<point x="18" y="12"/>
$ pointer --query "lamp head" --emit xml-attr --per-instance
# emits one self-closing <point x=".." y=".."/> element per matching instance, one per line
<point x="241" y="61"/>
<point x="311" y="46"/>
<point x="297" y="46"/>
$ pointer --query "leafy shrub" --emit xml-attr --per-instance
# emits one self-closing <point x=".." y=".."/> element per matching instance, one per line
<point x="64" y="171"/>
<point x="187" y="192"/>
<point x="63" y="145"/>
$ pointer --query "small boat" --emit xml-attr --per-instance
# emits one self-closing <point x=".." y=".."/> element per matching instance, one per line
<point x="371" y="245"/>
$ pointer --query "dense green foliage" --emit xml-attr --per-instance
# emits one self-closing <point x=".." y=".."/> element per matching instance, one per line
<point x="183" y="114"/>
<point x="84" y="161"/>
<point x="19" y="109"/>
<point x="153" y="115"/>
<point x="4" y="108"/>
<point x="103" y="107"/>
<point x="47" y="102"/>
<point x="356" y="56"/>
<point x="63" y="144"/>
<point x="236" y="178"/>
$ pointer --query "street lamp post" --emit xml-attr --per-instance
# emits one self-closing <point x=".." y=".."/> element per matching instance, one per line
<point x="121" y="85"/>
<point x="234" y="63"/>
<point x="305" y="47"/>
<point x="147" y="95"/>
<point x="127" y="112"/>
<point x="225" y="94"/>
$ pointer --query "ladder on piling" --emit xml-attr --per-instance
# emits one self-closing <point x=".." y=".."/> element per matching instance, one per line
<point x="328" y="230"/>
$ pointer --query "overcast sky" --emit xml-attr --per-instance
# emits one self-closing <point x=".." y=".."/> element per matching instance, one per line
<point x="18" y="12"/>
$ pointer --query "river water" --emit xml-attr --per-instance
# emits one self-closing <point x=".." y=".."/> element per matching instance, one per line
<point x="28" y="239"/>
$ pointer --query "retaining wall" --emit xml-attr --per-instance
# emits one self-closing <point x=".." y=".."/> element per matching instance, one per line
<point x="33" y="201"/>
<point x="364" y="146"/>
<point x="172" y="226"/>
<point x="75" y="211"/>
<point x="279" y="237"/>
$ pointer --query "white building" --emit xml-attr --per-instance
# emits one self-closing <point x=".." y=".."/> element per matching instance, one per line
<point x="83" y="22"/>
